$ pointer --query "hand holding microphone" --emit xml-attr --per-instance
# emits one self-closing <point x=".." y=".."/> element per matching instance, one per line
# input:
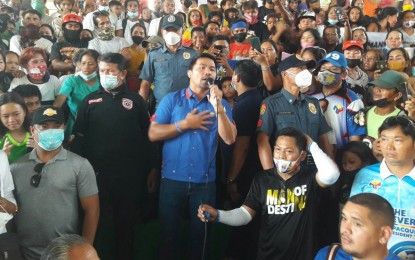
<point x="215" y="95"/>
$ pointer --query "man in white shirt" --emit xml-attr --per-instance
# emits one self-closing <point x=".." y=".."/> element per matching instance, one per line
<point x="102" y="5"/>
<point x="168" y="8"/>
<point x="105" y="41"/>
<point x="31" y="18"/>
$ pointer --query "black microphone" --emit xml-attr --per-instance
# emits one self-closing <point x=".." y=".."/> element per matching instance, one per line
<point x="210" y="82"/>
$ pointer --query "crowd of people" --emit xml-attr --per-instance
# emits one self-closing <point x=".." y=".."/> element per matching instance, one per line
<point x="291" y="121"/>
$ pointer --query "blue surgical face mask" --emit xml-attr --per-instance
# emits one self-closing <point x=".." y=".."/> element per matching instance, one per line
<point x="51" y="139"/>
<point x="132" y="14"/>
<point x="87" y="77"/>
<point x="233" y="86"/>
<point x="332" y="22"/>
<point x="108" y="82"/>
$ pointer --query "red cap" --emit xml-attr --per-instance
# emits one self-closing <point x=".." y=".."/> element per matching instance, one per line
<point x="348" y="44"/>
<point x="71" y="18"/>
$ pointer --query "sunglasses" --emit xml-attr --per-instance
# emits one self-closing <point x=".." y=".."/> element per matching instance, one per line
<point x="35" y="180"/>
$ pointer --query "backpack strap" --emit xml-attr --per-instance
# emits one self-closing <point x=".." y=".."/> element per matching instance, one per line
<point x="331" y="254"/>
<point x="124" y="25"/>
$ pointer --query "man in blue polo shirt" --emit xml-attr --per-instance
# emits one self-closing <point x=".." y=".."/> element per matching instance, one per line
<point x="394" y="180"/>
<point x="189" y="121"/>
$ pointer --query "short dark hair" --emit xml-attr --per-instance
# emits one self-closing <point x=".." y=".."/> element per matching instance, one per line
<point x="250" y="5"/>
<point x="337" y="28"/>
<point x="300" y="139"/>
<point x="97" y="14"/>
<point x="197" y="29"/>
<point x="249" y="73"/>
<point x="114" y="58"/>
<point x="215" y="13"/>
<point x="220" y="37"/>
<point x="380" y="209"/>
<point x="226" y="78"/>
<point x="28" y="91"/>
<point x="361" y="150"/>
<point x="116" y="3"/>
<point x="127" y="1"/>
<point x="32" y="11"/>
<point x="92" y="53"/>
<point x="405" y="123"/>
<point x="209" y="22"/>
<point x="200" y="56"/>
<point x="139" y="24"/>
<point x="12" y="97"/>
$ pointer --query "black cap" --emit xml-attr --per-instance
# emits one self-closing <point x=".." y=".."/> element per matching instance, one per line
<point x="174" y="21"/>
<point x="48" y="113"/>
<point x="295" y="61"/>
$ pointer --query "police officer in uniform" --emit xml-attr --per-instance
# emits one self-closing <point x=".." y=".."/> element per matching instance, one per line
<point x="111" y="132"/>
<point x="166" y="67"/>
<point x="290" y="108"/>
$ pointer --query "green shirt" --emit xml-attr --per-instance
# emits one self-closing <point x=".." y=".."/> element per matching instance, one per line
<point x="18" y="149"/>
<point x="374" y="121"/>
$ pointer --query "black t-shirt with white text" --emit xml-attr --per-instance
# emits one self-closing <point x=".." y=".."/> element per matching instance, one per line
<point x="288" y="214"/>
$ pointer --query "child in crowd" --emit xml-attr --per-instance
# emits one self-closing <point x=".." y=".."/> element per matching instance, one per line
<point x="229" y="92"/>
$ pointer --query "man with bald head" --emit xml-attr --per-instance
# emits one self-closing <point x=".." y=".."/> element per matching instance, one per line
<point x="70" y="247"/>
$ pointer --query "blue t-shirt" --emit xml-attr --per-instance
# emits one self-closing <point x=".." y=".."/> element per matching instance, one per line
<point x="400" y="193"/>
<point x="341" y="255"/>
<point x="190" y="156"/>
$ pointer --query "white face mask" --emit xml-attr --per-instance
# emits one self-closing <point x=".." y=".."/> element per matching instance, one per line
<point x="103" y="8"/>
<point x="302" y="79"/>
<point x="172" y="38"/>
<point x="408" y="24"/>
<point x="108" y="82"/>
<point x="286" y="167"/>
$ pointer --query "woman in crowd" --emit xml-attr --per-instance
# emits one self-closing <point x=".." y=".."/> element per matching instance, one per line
<point x="315" y="54"/>
<point x="268" y="60"/>
<point x="309" y="38"/>
<point x="34" y="60"/>
<point x="407" y="21"/>
<point x="386" y="19"/>
<point x="138" y="56"/>
<point x="46" y="31"/>
<point x="194" y="19"/>
<point x="370" y="59"/>
<point x="360" y="34"/>
<point x="14" y="126"/>
<point x="356" y="17"/>
<point x="76" y="87"/>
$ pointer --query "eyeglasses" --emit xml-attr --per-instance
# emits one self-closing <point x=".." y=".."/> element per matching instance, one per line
<point x="35" y="180"/>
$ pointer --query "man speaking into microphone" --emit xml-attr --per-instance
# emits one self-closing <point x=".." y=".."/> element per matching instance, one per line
<point x="189" y="122"/>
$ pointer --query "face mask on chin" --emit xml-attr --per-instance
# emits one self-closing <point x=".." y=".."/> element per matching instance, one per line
<point x="353" y="63"/>
<point x="384" y="102"/>
<point x="287" y="167"/>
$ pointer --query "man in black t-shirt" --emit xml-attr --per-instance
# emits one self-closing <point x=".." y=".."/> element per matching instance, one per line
<point x="285" y="198"/>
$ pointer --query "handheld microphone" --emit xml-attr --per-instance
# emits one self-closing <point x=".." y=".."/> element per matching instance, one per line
<point x="210" y="82"/>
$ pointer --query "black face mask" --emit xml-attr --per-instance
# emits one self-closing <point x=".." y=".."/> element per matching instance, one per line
<point x="352" y="63"/>
<point x="269" y="1"/>
<point x="86" y="39"/>
<point x="384" y="102"/>
<point x="48" y="37"/>
<point x="71" y="35"/>
<point x="213" y="2"/>
<point x="240" y="37"/>
<point x="209" y="38"/>
<point x="351" y="174"/>
<point x="137" y="39"/>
